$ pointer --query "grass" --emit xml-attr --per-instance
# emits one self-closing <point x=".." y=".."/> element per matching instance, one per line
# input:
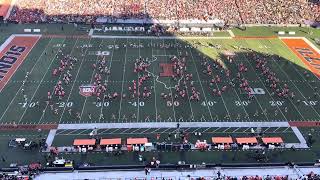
<point x="127" y="110"/>
<point x="46" y="56"/>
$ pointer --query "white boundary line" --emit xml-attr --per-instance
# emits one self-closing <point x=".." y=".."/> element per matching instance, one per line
<point x="172" y="125"/>
<point x="231" y="33"/>
<point x="156" y="37"/>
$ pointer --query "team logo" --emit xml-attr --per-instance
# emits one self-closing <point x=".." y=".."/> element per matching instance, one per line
<point x="87" y="90"/>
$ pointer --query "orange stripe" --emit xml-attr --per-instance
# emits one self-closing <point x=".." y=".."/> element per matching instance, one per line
<point x="293" y="44"/>
<point x="4" y="7"/>
<point x="28" y="43"/>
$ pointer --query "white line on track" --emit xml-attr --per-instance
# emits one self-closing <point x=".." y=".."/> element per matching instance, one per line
<point x="44" y="111"/>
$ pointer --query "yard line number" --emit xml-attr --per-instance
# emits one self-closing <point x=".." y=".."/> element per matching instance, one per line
<point x="135" y="104"/>
<point x="208" y="103"/>
<point x="104" y="104"/>
<point x="242" y="103"/>
<point x="174" y="103"/>
<point x="276" y="103"/>
<point x="310" y="103"/>
<point x="64" y="104"/>
<point x="29" y="104"/>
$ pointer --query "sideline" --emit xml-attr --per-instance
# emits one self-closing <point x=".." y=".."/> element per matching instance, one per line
<point x="292" y="173"/>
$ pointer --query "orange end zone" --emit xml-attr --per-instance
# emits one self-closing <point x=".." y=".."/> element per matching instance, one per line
<point x="309" y="56"/>
<point x="12" y="56"/>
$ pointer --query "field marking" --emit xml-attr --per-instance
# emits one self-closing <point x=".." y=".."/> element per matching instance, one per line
<point x="204" y="94"/>
<point x="276" y="129"/>
<point x="64" y="108"/>
<point x="253" y="69"/>
<point x="285" y="73"/>
<point x="20" y="59"/>
<point x="86" y="98"/>
<point x="21" y="85"/>
<point x="123" y="74"/>
<point x="50" y="137"/>
<point x="231" y="33"/>
<point x="245" y="59"/>
<point x="236" y="129"/>
<point x="110" y="65"/>
<point x="138" y="108"/>
<point x="35" y="92"/>
<point x="173" y="125"/>
<point x="226" y="129"/>
<point x="45" y="109"/>
<point x="156" y="37"/>
<point x="192" y="113"/>
<point x="173" y="107"/>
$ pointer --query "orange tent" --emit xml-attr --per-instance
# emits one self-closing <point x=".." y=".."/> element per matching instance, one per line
<point x="222" y="140"/>
<point x="84" y="142"/>
<point x="4" y="7"/>
<point x="137" y="141"/>
<point x="247" y="140"/>
<point x="113" y="141"/>
<point x="272" y="140"/>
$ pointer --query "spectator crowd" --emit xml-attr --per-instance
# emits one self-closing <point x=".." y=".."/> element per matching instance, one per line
<point x="231" y="11"/>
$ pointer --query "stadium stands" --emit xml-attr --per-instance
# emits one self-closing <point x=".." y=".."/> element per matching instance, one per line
<point x="232" y="12"/>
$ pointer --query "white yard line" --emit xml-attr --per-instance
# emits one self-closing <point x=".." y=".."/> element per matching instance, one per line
<point x="192" y="113"/>
<point x="231" y="33"/>
<point x="110" y="65"/>
<point x="276" y="129"/>
<point x="295" y="87"/>
<point x="156" y="37"/>
<point x="154" y="86"/>
<point x="300" y="76"/>
<point x="21" y="85"/>
<point x="226" y="129"/>
<point x="253" y="69"/>
<point x="85" y="101"/>
<point x="138" y="108"/>
<point x="44" y="111"/>
<point x="174" y="111"/>
<point x="236" y="129"/>
<point x="123" y="75"/>
<point x="74" y="82"/>
<point x="50" y="137"/>
<point x="25" y="110"/>
<point x="204" y="94"/>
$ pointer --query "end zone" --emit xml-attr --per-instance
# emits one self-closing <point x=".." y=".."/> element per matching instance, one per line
<point x="12" y="53"/>
<point x="307" y="53"/>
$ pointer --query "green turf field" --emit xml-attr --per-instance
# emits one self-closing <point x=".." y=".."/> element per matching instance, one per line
<point x="233" y="105"/>
<point x="120" y="55"/>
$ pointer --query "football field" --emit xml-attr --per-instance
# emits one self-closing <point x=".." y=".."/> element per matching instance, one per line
<point x="24" y="98"/>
